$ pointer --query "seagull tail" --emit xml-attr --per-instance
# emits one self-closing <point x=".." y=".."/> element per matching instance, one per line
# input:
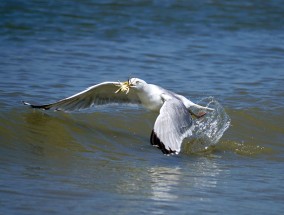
<point x="188" y="104"/>
<point x="201" y="107"/>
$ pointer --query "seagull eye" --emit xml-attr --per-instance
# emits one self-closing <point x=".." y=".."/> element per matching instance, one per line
<point x="137" y="82"/>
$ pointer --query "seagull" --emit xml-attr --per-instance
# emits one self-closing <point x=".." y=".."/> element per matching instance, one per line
<point x="173" y="124"/>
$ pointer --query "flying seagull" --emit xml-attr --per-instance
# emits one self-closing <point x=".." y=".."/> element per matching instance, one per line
<point x="173" y="124"/>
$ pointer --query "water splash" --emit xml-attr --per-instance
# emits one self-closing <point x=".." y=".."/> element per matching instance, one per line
<point x="209" y="129"/>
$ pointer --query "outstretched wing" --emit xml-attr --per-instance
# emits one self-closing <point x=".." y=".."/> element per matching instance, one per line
<point x="100" y="94"/>
<point x="172" y="125"/>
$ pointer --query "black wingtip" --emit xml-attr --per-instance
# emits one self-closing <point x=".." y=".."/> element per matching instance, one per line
<point x="26" y="103"/>
<point x="44" y="107"/>
<point x="155" y="141"/>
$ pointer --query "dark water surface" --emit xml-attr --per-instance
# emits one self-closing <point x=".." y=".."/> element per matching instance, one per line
<point x="100" y="161"/>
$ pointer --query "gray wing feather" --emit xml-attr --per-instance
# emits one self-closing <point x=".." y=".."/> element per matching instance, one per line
<point x="173" y="124"/>
<point x="100" y="94"/>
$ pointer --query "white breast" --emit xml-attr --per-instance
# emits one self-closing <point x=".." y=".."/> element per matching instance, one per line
<point x="150" y="97"/>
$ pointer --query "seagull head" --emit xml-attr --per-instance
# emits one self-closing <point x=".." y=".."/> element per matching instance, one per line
<point x="136" y="83"/>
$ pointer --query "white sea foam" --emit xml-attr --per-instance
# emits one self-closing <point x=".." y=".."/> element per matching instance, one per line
<point x="209" y="129"/>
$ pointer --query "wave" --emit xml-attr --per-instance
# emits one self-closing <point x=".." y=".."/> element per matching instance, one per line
<point x="119" y="131"/>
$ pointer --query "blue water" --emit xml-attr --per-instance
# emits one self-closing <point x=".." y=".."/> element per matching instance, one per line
<point x="100" y="161"/>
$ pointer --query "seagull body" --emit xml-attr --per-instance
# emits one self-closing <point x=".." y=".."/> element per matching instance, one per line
<point x="150" y="97"/>
<point x="173" y="124"/>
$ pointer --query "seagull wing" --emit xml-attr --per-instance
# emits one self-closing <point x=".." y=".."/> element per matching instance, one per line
<point x="173" y="124"/>
<point x="100" y="94"/>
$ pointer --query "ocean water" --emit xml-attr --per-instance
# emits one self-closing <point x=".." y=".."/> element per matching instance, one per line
<point x="226" y="53"/>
